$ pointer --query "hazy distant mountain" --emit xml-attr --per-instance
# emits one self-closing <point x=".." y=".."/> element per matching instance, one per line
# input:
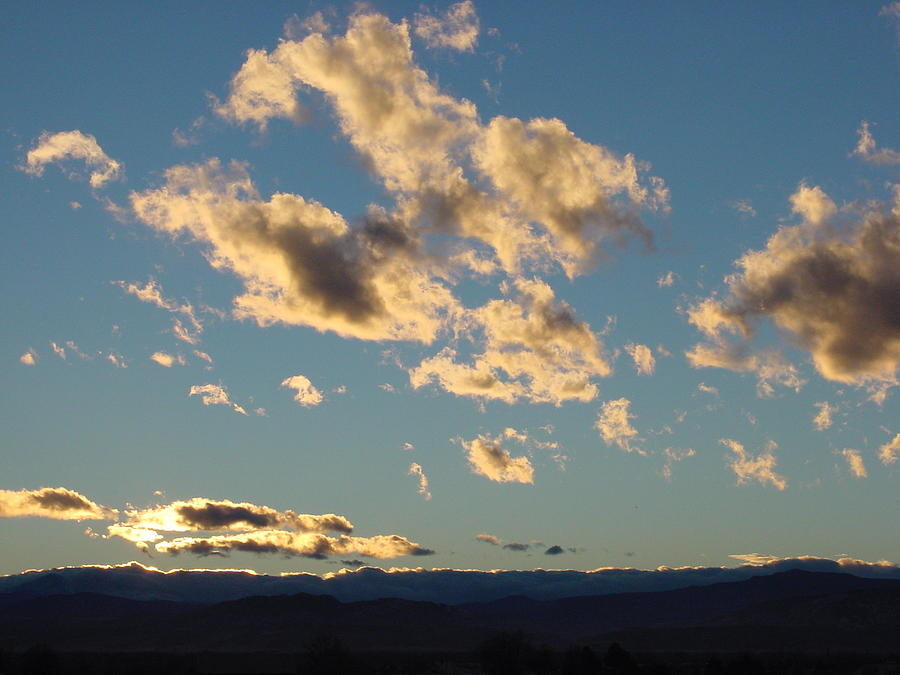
<point x="792" y="610"/>
<point x="368" y="583"/>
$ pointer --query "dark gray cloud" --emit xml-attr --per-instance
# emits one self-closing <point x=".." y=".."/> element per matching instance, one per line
<point x="554" y="550"/>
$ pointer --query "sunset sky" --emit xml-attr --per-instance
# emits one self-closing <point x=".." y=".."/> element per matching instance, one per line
<point x="300" y="286"/>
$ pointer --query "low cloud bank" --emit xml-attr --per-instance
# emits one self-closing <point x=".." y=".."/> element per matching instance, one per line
<point x="440" y="585"/>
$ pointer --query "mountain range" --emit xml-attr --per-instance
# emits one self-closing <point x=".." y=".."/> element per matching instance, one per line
<point x="789" y="611"/>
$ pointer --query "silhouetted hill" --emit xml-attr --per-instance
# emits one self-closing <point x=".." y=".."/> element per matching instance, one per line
<point x="789" y="611"/>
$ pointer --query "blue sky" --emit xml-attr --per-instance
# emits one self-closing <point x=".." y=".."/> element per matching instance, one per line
<point x="504" y="252"/>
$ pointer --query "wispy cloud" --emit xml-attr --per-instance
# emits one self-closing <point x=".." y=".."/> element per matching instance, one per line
<point x="890" y="451"/>
<point x="855" y="462"/>
<point x="214" y="394"/>
<point x="824" y="418"/>
<point x="416" y="470"/>
<point x="867" y="150"/>
<point x="457" y="28"/>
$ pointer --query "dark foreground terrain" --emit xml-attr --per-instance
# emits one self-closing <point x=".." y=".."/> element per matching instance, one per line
<point x="792" y="622"/>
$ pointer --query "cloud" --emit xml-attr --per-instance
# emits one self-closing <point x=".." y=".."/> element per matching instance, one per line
<point x="554" y="550"/>
<point x="300" y="262"/>
<point x="416" y="470"/>
<point x="535" y="349"/>
<point x="855" y="463"/>
<point x="56" y="148"/>
<point x="213" y="394"/>
<point x="673" y="455"/>
<point x="760" y="468"/>
<point x="744" y="207"/>
<point x="823" y="419"/>
<point x="456" y="29"/>
<point x="516" y="546"/>
<point x="642" y="355"/>
<point x="755" y="558"/>
<point x="199" y="513"/>
<point x="488" y="539"/>
<point x="307" y="395"/>
<point x="614" y="426"/>
<point x="57" y="503"/>
<point x="116" y="359"/>
<point x="446" y="586"/>
<point x="890" y="451"/>
<point x="408" y="447"/>
<point x="666" y="280"/>
<point x="707" y="389"/>
<point x="59" y="351"/>
<point x="832" y="284"/>
<point x="151" y="292"/>
<point x="203" y="356"/>
<point x="488" y="458"/>
<point x="29" y="358"/>
<point x="310" y="545"/>
<point x="167" y="360"/>
<point x="867" y="150"/>
<point x="421" y="143"/>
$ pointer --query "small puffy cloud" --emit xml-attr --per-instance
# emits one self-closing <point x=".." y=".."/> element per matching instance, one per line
<point x="75" y="205"/>
<point x="57" y="503"/>
<point x="200" y="513"/>
<point x="58" y="350"/>
<point x="831" y="286"/>
<point x="855" y="463"/>
<point x="708" y="389"/>
<point x="167" y="360"/>
<point x="614" y="425"/>
<point x="29" y="358"/>
<point x="457" y="28"/>
<point x="116" y="359"/>
<point x="673" y="455"/>
<point x="408" y="447"/>
<point x="535" y="349"/>
<point x="824" y="418"/>
<point x="760" y="468"/>
<point x="488" y="458"/>
<point x="516" y="546"/>
<point x="666" y="280"/>
<point x="416" y="470"/>
<point x="56" y="148"/>
<point x="554" y="550"/>
<point x="306" y="394"/>
<point x="488" y="539"/>
<point x="867" y="150"/>
<point x="744" y="207"/>
<point x="890" y="451"/>
<point x="310" y="545"/>
<point x="213" y="394"/>
<point x="642" y="355"/>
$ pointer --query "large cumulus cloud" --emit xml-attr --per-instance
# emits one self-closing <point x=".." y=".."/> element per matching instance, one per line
<point x="830" y="284"/>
